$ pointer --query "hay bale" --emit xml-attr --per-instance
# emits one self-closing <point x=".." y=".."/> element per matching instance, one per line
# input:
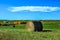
<point x="37" y="26"/>
<point x="34" y="26"/>
<point x="30" y="26"/>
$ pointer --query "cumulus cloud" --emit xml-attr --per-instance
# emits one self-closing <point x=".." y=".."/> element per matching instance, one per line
<point x="34" y="8"/>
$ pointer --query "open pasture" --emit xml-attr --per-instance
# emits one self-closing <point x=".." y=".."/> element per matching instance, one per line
<point x="51" y="31"/>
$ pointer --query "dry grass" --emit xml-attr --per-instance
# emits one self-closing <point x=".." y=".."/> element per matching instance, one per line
<point x="16" y="34"/>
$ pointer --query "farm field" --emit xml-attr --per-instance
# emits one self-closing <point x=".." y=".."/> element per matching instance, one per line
<point x="51" y="31"/>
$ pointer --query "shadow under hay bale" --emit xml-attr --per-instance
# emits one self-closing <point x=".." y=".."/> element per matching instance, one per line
<point x="47" y="31"/>
<point x="34" y="26"/>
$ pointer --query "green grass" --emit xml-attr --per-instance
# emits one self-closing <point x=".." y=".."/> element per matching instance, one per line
<point x="20" y="33"/>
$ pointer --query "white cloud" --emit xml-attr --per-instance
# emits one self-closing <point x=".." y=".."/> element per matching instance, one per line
<point x="33" y="8"/>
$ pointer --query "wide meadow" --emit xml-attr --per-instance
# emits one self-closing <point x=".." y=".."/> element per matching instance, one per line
<point x="51" y="31"/>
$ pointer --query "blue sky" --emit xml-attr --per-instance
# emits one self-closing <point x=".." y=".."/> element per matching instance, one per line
<point x="29" y="10"/>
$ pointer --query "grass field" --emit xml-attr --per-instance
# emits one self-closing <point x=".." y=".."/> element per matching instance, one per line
<point x="51" y="31"/>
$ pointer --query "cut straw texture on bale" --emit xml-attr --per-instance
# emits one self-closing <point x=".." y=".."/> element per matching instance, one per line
<point x="30" y="26"/>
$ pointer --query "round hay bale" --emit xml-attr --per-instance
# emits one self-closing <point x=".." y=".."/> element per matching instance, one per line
<point x="34" y="26"/>
<point x="37" y="26"/>
<point x="30" y="26"/>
